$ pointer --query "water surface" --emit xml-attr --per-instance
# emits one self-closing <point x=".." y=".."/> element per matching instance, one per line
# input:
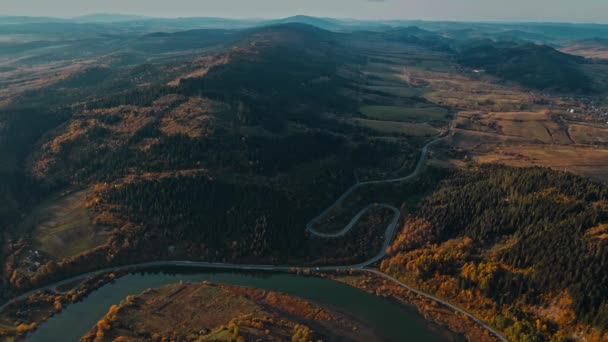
<point x="394" y="321"/>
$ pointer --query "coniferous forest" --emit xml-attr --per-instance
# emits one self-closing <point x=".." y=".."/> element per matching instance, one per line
<point x="523" y="235"/>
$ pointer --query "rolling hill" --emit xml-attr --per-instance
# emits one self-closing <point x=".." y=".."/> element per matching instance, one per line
<point x="535" y="66"/>
<point x="222" y="147"/>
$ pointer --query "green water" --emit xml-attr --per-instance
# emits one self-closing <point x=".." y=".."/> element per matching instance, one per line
<point x="393" y="321"/>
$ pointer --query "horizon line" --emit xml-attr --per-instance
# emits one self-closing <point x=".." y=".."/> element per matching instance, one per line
<point x="147" y="17"/>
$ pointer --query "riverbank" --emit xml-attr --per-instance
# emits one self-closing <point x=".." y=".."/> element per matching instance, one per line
<point x="207" y="311"/>
<point x="395" y="321"/>
<point x="427" y="308"/>
<point x="369" y="282"/>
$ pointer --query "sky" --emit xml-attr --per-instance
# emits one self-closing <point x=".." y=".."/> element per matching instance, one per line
<point x="462" y="10"/>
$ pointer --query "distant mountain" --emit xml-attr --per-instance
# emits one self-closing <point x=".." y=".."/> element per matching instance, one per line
<point x="535" y="66"/>
<point x="565" y="31"/>
<point x="28" y="20"/>
<point x="108" y="18"/>
<point x="160" y="42"/>
<point x="519" y="35"/>
<point x="324" y="23"/>
<point x="513" y="35"/>
<point x="275" y="69"/>
<point x="545" y="32"/>
<point x="9" y="48"/>
<point x="417" y="36"/>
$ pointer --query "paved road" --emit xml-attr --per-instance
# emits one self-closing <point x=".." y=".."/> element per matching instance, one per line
<point x="354" y="221"/>
<point x="438" y="300"/>
<point x="362" y="267"/>
<point x="391" y="231"/>
<point x="415" y="173"/>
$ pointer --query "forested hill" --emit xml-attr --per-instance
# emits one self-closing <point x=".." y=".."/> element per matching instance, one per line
<point x="519" y="237"/>
<point x="536" y="66"/>
<point x="223" y="155"/>
<point x="279" y="73"/>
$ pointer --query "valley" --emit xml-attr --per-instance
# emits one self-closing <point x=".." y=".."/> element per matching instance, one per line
<point x="404" y="154"/>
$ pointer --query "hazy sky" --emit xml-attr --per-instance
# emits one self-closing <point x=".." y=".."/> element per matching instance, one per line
<point x="478" y="10"/>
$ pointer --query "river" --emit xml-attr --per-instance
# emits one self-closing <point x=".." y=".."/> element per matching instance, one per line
<point x="394" y="321"/>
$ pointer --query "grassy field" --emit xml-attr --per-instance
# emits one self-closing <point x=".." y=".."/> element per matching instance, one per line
<point x="396" y="127"/>
<point x="401" y="91"/>
<point x="385" y="78"/>
<point x="434" y="64"/>
<point x="451" y="89"/>
<point x="224" y="313"/>
<point x="387" y="68"/>
<point x="496" y="123"/>
<point x="6" y="327"/>
<point x="530" y="126"/>
<point x="533" y="139"/>
<point x="405" y="114"/>
<point x="589" y="51"/>
<point x="587" y="134"/>
<point x="588" y="161"/>
<point x="62" y="227"/>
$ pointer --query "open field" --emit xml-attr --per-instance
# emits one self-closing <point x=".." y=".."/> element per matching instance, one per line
<point x="588" y="161"/>
<point x="395" y="127"/>
<point x="401" y="91"/>
<point x="404" y="114"/>
<point x="578" y="148"/>
<point x="63" y="228"/>
<point x="381" y="68"/>
<point x="224" y="313"/>
<point x="468" y="92"/>
<point x="505" y="124"/>
<point x="533" y="139"/>
<point x="588" y="134"/>
<point x="496" y="122"/>
<point x="535" y="126"/>
<point x="433" y="64"/>
<point x="15" y="80"/>
<point x="385" y="77"/>
<point x="390" y="74"/>
<point x="589" y="51"/>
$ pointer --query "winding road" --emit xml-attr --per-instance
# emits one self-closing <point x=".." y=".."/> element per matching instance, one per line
<point x="361" y="267"/>
<point x="415" y="173"/>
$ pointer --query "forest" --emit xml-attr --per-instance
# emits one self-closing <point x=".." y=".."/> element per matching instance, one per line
<point x="239" y="218"/>
<point x="277" y="82"/>
<point x="535" y="66"/>
<point x="21" y="125"/>
<point x="515" y="235"/>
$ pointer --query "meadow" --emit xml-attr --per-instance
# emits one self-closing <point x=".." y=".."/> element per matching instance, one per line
<point x="62" y="227"/>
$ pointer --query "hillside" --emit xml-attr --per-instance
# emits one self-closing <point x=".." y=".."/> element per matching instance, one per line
<point x="591" y="48"/>
<point x="107" y="18"/>
<point x="535" y="66"/>
<point x="416" y="36"/>
<point x="165" y="155"/>
<point x="522" y="248"/>
<point x="322" y="23"/>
